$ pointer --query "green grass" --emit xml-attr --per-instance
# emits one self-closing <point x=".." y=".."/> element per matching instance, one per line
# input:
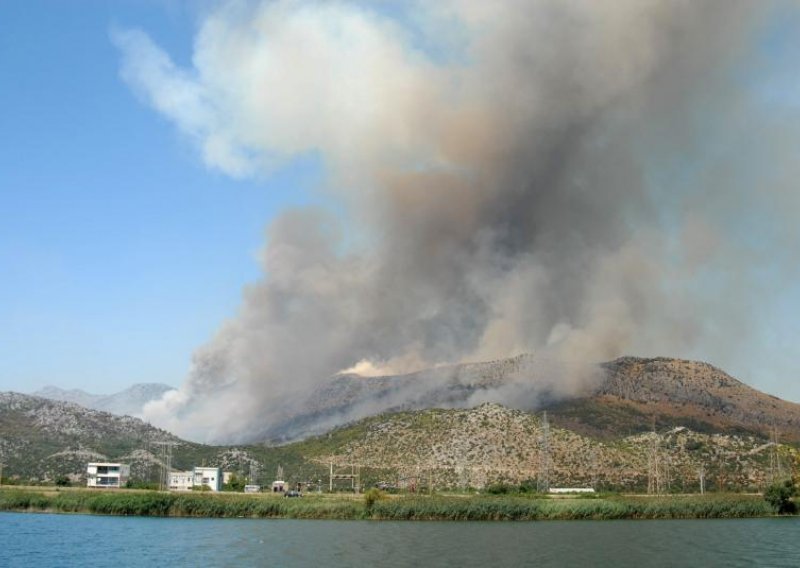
<point x="521" y="509"/>
<point x="437" y="507"/>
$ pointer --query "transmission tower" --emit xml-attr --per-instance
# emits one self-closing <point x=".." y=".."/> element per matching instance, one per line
<point x="701" y="474"/>
<point x="253" y="473"/>
<point x="543" y="480"/>
<point x="775" y="472"/>
<point x="462" y="473"/>
<point x="353" y="476"/>
<point x="653" y="469"/>
<point x="165" y="465"/>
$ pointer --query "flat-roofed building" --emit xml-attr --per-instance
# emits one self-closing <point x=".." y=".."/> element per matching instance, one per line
<point x="181" y="480"/>
<point x="107" y="475"/>
<point x="210" y="477"/>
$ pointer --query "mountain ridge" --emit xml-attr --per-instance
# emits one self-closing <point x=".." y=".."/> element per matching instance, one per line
<point x="129" y="401"/>
<point x="663" y="389"/>
<point x="687" y="405"/>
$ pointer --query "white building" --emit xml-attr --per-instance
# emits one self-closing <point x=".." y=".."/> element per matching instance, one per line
<point x="252" y="488"/>
<point x="571" y="490"/>
<point x="181" y="480"/>
<point x="107" y="475"/>
<point x="211" y="477"/>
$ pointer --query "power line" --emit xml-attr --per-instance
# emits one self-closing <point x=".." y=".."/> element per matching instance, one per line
<point x="701" y="473"/>
<point x="653" y="466"/>
<point x="165" y="462"/>
<point x="543" y="479"/>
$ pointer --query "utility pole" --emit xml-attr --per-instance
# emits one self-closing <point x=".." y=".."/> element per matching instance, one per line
<point x="354" y="476"/>
<point x="701" y="473"/>
<point x="774" y="458"/>
<point x="595" y="468"/>
<point x="653" y="473"/>
<point x="543" y="481"/>
<point x="165" y="455"/>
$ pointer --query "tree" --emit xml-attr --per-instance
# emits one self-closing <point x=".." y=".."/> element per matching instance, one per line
<point x="371" y="496"/>
<point x="779" y="495"/>
<point x="63" y="481"/>
<point x="235" y="483"/>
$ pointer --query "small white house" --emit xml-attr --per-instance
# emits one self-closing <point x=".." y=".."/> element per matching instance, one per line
<point x="571" y="490"/>
<point x="211" y="477"/>
<point x="181" y="480"/>
<point x="252" y="488"/>
<point x="107" y="475"/>
<point x="278" y="486"/>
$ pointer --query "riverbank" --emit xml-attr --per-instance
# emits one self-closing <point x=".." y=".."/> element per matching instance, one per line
<point x="436" y="507"/>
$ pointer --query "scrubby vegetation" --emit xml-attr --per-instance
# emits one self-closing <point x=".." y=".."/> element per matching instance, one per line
<point x="522" y="509"/>
<point x="372" y="496"/>
<point x="377" y="505"/>
<point x="779" y="496"/>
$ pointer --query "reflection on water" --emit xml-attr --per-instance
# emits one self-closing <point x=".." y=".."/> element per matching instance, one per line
<point x="78" y="540"/>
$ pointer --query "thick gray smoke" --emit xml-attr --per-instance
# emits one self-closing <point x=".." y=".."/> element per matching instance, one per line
<point x="557" y="177"/>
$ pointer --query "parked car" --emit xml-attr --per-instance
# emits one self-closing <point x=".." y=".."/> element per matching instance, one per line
<point x="292" y="494"/>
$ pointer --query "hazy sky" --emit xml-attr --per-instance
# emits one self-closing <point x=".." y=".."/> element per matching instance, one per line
<point x="122" y="250"/>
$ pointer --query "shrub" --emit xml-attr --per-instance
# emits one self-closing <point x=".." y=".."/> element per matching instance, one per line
<point x="62" y="481"/>
<point x="236" y="483"/>
<point x="371" y="496"/>
<point x="779" y="496"/>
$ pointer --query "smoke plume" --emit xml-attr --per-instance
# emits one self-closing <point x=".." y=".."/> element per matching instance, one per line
<point x="572" y="179"/>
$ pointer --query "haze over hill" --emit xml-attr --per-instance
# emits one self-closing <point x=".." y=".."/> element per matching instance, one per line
<point x="41" y="439"/>
<point x="617" y="398"/>
<point x="621" y="397"/>
<point x="129" y="401"/>
<point x="576" y="179"/>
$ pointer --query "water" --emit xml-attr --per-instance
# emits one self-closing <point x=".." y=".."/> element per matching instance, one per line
<point x="79" y="540"/>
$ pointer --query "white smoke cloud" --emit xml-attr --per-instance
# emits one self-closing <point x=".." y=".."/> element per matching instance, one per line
<point x="496" y="160"/>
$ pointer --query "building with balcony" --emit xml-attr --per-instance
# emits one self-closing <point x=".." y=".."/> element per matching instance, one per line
<point x="107" y="475"/>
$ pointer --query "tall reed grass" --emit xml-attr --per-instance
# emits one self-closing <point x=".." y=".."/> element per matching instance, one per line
<point x="437" y="507"/>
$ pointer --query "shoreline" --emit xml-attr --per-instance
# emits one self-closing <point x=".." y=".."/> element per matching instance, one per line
<point x="437" y="507"/>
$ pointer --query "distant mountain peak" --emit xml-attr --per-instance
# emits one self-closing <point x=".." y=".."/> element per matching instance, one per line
<point x="129" y="401"/>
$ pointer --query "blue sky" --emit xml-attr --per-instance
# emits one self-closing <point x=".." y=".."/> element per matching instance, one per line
<point x="120" y="251"/>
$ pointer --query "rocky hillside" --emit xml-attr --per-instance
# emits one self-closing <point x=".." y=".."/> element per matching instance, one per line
<point x="127" y="402"/>
<point x="349" y="397"/>
<point x="636" y="392"/>
<point x="491" y="444"/>
<point x="613" y="400"/>
<point x="42" y="438"/>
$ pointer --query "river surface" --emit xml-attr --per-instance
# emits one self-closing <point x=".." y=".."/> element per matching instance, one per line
<point x="45" y="540"/>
